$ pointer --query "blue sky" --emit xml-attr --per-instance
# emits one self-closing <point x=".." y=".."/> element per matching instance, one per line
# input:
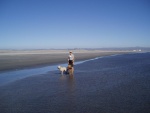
<point x="39" y="24"/>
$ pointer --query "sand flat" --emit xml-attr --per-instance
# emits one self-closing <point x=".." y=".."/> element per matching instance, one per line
<point x="16" y="59"/>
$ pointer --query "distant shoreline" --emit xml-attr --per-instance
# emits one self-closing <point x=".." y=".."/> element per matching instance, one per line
<point x="17" y="59"/>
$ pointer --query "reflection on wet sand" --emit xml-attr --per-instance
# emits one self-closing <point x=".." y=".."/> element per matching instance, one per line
<point x="68" y="82"/>
<point x="71" y="93"/>
<point x="71" y="84"/>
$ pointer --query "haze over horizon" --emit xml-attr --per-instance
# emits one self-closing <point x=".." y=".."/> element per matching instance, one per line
<point x="44" y="24"/>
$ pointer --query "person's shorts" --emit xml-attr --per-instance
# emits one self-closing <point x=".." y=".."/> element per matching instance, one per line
<point x="71" y="63"/>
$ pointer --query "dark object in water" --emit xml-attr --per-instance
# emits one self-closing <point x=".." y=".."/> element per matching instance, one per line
<point x="70" y="70"/>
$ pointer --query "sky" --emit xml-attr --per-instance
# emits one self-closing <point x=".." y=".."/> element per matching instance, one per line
<point x="60" y="24"/>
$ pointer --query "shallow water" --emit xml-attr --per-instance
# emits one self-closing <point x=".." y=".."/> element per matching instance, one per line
<point x="10" y="76"/>
<point x="112" y="84"/>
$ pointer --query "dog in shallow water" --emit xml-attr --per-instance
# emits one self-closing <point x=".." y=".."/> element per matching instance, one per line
<point x="62" y="69"/>
<point x="70" y="69"/>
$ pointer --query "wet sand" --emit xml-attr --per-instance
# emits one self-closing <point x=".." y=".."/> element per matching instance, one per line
<point x="13" y="59"/>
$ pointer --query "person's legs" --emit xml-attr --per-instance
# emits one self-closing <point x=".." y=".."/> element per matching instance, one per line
<point x="71" y="63"/>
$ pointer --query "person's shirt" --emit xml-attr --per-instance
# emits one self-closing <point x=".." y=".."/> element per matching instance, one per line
<point x="71" y="57"/>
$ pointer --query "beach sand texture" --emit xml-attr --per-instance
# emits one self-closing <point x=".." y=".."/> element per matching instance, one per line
<point x="16" y="59"/>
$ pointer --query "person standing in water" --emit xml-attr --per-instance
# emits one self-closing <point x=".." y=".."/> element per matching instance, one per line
<point x="70" y="63"/>
<point x="71" y="58"/>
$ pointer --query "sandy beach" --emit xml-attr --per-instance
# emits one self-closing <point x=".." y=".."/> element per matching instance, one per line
<point x="17" y="59"/>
